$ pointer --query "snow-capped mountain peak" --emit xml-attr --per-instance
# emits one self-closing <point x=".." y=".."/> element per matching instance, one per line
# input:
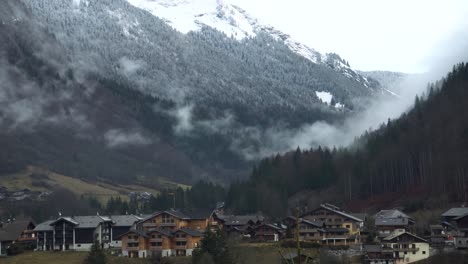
<point x="192" y="15"/>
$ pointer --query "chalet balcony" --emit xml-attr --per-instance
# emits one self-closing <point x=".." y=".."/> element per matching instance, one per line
<point x="168" y="224"/>
<point x="132" y="240"/>
<point x="155" y="248"/>
<point x="180" y="239"/>
<point x="150" y="224"/>
<point x="406" y="249"/>
<point x="180" y="247"/>
<point x="132" y="248"/>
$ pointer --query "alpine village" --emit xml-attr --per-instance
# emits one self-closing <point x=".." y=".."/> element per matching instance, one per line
<point x="213" y="132"/>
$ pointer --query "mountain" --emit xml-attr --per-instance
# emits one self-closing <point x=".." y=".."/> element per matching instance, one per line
<point x="386" y="80"/>
<point x="418" y="160"/>
<point x="103" y="89"/>
<point x="192" y="15"/>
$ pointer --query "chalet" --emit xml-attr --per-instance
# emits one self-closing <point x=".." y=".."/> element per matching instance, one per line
<point x="387" y="221"/>
<point x="236" y="224"/>
<point x="176" y="219"/>
<point x="81" y="232"/>
<point x="376" y="254"/>
<point x="406" y="247"/>
<point x="309" y="230"/>
<point x="268" y="232"/>
<point x="168" y="233"/>
<point x="458" y="227"/>
<point x="120" y="225"/>
<point x="340" y="227"/>
<point x="166" y="242"/>
<point x="16" y="231"/>
<point x="439" y="236"/>
<point x="449" y="215"/>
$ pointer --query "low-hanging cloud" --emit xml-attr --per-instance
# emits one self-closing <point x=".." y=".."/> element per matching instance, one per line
<point x="129" y="67"/>
<point x="116" y="138"/>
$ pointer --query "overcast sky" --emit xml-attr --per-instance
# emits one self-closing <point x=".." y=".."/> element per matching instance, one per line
<point x="396" y="35"/>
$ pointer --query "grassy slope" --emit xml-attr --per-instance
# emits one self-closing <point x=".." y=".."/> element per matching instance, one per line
<point x="102" y="190"/>
<point x="72" y="258"/>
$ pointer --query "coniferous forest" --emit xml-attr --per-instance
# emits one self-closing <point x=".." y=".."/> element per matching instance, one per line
<point x="424" y="152"/>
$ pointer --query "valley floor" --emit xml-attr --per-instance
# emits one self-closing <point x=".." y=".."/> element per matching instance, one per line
<point x="74" y="258"/>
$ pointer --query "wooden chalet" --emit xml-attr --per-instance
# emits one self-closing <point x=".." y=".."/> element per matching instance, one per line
<point x="268" y="232"/>
<point x="309" y="230"/>
<point x="387" y="221"/>
<point x="169" y="233"/>
<point x="340" y="227"/>
<point x="406" y="247"/>
<point x="17" y="231"/>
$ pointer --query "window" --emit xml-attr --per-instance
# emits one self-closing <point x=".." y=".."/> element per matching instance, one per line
<point x="424" y="252"/>
<point x="156" y="244"/>
<point x="348" y="226"/>
<point x="181" y="243"/>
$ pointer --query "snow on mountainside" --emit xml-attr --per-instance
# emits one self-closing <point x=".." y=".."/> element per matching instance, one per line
<point x="191" y="15"/>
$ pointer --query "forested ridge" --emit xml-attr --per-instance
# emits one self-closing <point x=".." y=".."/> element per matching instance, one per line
<point x="106" y="90"/>
<point x="425" y="151"/>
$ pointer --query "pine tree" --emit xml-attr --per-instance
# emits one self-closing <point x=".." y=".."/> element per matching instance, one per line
<point x="96" y="255"/>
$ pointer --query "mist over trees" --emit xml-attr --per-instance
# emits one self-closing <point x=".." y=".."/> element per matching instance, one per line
<point x="424" y="153"/>
<point x="119" y="93"/>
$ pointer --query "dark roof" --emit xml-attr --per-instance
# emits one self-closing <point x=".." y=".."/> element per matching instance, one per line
<point x="12" y="231"/>
<point x="393" y="213"/>
<point x="160" y="231"/>
<point x="124" y="220"/>
<point x="392" y="221"/>
<point x="398" y="233"/>
<point x="372" y="248"/>
<point x="455" y="212"/>
<point x="240" y="219"/>
<point x="135" y="231"/>
<point x="45" y="226"/>
<point x="314" y="223"/>
<point x="197" y="214"/>
<point x="338" y="211"/>
<point x="190" y="232"/>
<point x="65" y="218"/>
<point x="91" y="221"/>
<point x="270" y="225"/>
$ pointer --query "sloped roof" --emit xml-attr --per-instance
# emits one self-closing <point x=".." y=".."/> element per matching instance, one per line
<point x="398" y="233"/>
<point x="337" y="210"/>
<point x="240" y="219"/>
<point x="391" y="221"/>
<point x="124" y="220"/>
<point x="392" y="213"/>
<point x="160" y="231"/>
<point x="45" y="226"/>
<point x="315" y="223"/>
<point x="455" y="212"/>
<point x="91" y="221"/>
<point x="65" y="218"/>
<point x="190" y="232"/>
<point x="135" y="231"/>
<point x="372" y="248"/>
<point x="12" y="231"/>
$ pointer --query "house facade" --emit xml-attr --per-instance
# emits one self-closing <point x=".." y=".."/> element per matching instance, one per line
<point x="341" y="228"/>
<point x="79" y="233"/>
<point x="16" y="231"/>
<point x="387" y="221"/>
<point x="455" y="226"/>
<point x="168" y="233"/>
<point x="308" y="230"/>
<point x="406" y="247"/>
